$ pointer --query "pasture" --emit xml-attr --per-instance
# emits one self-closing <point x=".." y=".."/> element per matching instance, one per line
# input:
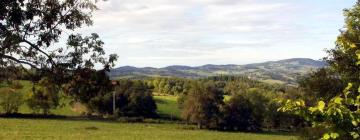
<point x="104" y="130"/>
<point x="75" y="127"/>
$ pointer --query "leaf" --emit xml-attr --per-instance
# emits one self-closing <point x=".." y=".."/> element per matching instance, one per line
<point x="355" y="135"/>
<point x="334" y="135"/>
<point x="300" y="103"/>
<point x="350" y="101"/>
<point x="338" y="100"/>
<point x="347" y="89"/>
<point x="358" y="54"/>
<point x="349" y="86"/>
<point x="326" y="136"/>
<point x="355" y="123"/>
<point x="321" y="105"/>
<point x="353" y="45"/>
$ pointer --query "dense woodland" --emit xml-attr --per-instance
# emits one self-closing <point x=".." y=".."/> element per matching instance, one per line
<point x="324" y="104"/>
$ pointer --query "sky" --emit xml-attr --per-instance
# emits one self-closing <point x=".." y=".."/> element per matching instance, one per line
<point x="159" y="33"/>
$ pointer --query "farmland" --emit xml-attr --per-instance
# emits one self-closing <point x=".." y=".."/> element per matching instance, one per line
<point x="104" y="130"/>
<point x="75" y="127"/>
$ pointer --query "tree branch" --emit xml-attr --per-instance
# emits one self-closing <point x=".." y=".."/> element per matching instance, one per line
<point x="37" y="48"/>
<point x="18" y="61"/>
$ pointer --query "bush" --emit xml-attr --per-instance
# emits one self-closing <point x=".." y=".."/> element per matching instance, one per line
<point x="10" y="100"/>
<point x="45" y="97"/>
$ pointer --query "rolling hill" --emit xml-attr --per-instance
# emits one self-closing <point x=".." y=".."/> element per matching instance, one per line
<point x="282" y="71"/>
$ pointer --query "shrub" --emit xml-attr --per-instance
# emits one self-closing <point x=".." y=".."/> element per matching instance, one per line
<point x="45" y="97"/>
<point x="10" y="100"/>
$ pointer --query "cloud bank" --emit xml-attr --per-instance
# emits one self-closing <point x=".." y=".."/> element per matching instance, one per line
<point x="195" y="32"/>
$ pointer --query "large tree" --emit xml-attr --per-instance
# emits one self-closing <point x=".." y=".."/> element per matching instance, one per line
<point x="340" y="115"/>
<point x="202" y="105"/>
<point x="30" y="28"/>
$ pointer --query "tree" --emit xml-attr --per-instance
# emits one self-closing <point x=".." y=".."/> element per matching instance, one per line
<point x="235" y="87"/>
<point x="30" y="28"/>
<point x="340" y="116"/>
<point x="45" y="96"/>
<point x="247" y="111"/>
<point x="11" y="99"/>
<point x="202" y="105"/>
<point x="238" y="114"/>
<point x="322" y="84"/>
<point x="132" y="98"/>
<point x="89" y="87"/>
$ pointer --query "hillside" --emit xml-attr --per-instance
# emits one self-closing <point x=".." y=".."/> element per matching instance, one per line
<point x="283" y="71"/>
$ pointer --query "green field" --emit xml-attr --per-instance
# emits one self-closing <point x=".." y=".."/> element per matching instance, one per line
<point x="84" y="129"/>
<point x="167" y="106"/>
<point x="102" y="130"/>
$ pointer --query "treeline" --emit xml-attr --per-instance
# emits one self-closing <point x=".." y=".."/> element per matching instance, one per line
<point x="229" y="85"/>
<point x="252" y="105"/>
<point x="251" y="109"/>
<point x="92" y="89"/>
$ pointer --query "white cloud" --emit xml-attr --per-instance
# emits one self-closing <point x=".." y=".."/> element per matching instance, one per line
<point x="197" y="32"/>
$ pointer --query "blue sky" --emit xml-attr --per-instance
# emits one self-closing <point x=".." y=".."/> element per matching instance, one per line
<point x="159" y="33"/>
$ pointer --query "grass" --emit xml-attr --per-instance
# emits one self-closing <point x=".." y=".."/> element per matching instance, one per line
<point x="272" y="81"/>
<point x="83" y="129"/>
<point x="102" y="130"/>
<point x="65" y="109"/>
<point x="167" y="106"/>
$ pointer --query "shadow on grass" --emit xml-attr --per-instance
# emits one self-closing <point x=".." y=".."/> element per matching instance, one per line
<point x="89" y="118"/>
<point x="139" y="120"/>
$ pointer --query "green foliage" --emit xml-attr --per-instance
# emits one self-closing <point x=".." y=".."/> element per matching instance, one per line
<point x="45" y="96"/>
<point x="89" y="87"/>
<point x="339" y="115"/>
<point x="227" y="84"/>
<point x="167" y="106"/>
<point x="170" y="86"/>
<point x="323" y="84"/>
<point x="255" y="110"/>
<point x="235" y="87"/>
<point x="134" y="98"/>
<point x="10" y="100"/>
<point x="238" y="115"/>
<point x="29" y="28"/>
<point x="202" y="105"/>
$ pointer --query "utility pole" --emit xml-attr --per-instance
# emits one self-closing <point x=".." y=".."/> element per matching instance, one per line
<point x="114" y="103"/>
<point x="115" y="84"/>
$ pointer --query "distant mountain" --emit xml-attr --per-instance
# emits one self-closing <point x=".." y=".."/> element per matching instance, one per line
<point x="283" y="71"/>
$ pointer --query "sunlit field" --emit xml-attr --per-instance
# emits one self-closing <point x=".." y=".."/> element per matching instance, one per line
<point x="103" y="130"/>
<point x="81" y="128"/>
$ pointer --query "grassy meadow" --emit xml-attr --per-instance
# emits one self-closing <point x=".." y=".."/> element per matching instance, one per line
<point x="74" y="127"/>
<point x="167" y="106"/>
<point x="103" y="130"/>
